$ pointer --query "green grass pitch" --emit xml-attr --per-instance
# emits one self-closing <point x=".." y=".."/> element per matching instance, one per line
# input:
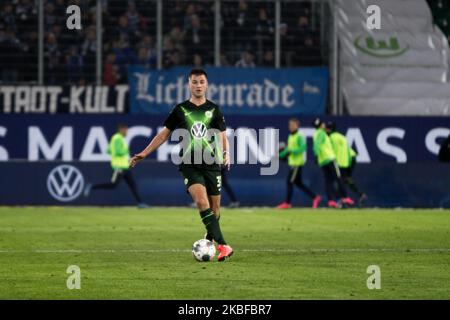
<point x="126" y="253"/>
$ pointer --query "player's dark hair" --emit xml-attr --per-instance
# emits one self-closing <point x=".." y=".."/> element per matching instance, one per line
<point x="121" y="126"/>
<point x="331" y="125"/>
<point x="296" y="120"/>
<point x="197" y="72"/>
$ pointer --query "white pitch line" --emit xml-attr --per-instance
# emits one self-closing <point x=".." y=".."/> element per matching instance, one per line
<point x="312" y="250"/>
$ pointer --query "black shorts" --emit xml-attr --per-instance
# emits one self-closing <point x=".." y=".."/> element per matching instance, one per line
<point x="210" y="179"/>
<point x="348" y="172"/>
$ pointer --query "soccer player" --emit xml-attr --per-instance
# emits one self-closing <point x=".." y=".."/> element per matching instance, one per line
<point x="198" y="116"/>
<point x="295" y="152"/>
<point x="118" y="149"/>
<point x="234" y="203"/>
<point x="345" y="158"/>
<point x="326" y="159"/>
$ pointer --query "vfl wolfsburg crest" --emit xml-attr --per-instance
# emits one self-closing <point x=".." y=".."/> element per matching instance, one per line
<point x="208" y="114"/>
<point x="198" y="130"/>
<point x="380" y="48"/>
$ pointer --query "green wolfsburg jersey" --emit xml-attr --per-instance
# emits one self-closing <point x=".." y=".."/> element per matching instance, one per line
<point x="197" y="120"/>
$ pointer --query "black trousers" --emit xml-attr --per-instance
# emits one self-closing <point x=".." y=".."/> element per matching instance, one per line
<point x="295" y="178"/>
<point x="334" y="186"/>
<point x="117" y="176"/>
<point x="347" y="178"/>
<point x="348" y="172"/>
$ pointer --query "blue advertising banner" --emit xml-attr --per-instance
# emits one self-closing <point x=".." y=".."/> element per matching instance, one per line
<point x="301" y="91"/>
<point x="85" y="138"/>
<point x="50" y="159"/>
<point x="161" y="184"/>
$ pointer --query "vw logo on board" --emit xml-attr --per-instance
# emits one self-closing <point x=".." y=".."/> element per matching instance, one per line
<point x="65" y="183"/>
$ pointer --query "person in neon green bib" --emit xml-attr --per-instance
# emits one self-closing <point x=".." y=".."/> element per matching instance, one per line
<point x="345" y="158"/>
<point x="295" y="154"/>
<point x="326" y="159"/>
<point x="120" y="157"/>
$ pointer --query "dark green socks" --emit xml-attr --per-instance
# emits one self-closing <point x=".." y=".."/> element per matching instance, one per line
<point x="212" y="226"/>
<point x="208" y="235"/>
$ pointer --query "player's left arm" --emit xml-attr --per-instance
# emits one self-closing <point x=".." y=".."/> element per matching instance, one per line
<point x="219" y="123"/>
<point x="284" y="152"/>
<point x="225" y="149"/>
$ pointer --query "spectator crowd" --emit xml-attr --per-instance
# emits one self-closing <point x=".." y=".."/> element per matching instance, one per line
<point x="129" y="38"/>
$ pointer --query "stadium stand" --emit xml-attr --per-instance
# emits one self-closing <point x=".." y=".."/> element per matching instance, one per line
<point x="129" y="38"/>
<point x="18" y="41"/>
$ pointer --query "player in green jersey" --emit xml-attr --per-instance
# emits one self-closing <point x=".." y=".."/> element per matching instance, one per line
<point x="295" y="154"/>
<point x="345" y="158"/>
<point x="118" y="149"/>
<point x="204" y="137"/>
<point x="326" y="159"/>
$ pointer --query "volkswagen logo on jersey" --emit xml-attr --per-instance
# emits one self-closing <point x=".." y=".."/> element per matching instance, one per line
<point x="65" y="183"/>
<point x="198" y="130"/>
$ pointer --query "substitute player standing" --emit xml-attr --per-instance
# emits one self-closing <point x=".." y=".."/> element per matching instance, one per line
<point x="203" y="180"/>
<point x="119" y="151"/>
<point x="295" y="152"/>
<point x="326" y="159"/>
<point x="345" y="158"/>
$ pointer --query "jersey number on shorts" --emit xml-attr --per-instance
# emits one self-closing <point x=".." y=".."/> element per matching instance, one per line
<point x="219" y="182"/>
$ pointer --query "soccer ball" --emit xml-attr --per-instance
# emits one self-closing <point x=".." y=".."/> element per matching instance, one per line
<point x="203" y="250"/>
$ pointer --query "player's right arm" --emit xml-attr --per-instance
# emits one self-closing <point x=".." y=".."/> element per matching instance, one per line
<point x="158" y="140"/>
<point x="172" y="121"/>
